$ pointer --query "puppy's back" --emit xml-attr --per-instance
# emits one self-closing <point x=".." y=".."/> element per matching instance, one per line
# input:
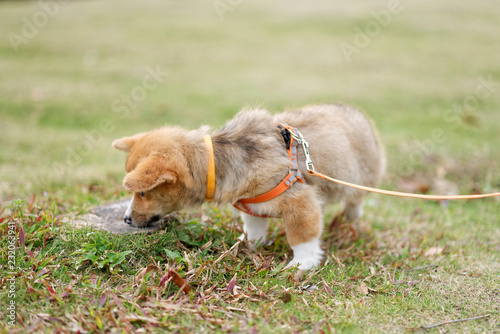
<point x="343" y="143"/>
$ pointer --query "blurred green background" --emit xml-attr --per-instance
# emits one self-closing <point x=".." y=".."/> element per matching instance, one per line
<point x="76" y="75"/>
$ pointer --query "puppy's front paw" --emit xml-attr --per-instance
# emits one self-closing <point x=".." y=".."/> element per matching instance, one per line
<point x="307" y="255"/>
<point x="304" y="264"/>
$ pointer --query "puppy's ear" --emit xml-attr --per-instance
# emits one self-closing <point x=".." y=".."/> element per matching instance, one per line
<point x="148" y="174"/>
<point x="126" y="143"/>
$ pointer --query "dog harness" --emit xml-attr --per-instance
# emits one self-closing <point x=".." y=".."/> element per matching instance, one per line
<point x="292" y="141"/>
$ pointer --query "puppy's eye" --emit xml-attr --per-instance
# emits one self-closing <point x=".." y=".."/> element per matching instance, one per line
<point x="141" y="194"/>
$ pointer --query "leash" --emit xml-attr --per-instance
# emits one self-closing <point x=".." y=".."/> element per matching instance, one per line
<point x="299" y="138"/>
<point x="293" y="138"/>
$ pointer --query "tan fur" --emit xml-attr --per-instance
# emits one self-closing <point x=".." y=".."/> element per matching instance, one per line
<point x="170" y="166"/>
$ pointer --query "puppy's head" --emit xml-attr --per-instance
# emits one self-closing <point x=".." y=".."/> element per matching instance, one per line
<point x="157" y="174"/>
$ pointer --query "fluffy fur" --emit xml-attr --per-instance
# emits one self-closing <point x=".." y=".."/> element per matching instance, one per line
<point x="167" y="170"/>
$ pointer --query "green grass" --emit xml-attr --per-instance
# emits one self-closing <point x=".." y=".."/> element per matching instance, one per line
<point x="415" y="78"/>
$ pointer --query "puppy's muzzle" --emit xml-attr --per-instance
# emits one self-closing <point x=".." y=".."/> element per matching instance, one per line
<point x="127" y="218"/>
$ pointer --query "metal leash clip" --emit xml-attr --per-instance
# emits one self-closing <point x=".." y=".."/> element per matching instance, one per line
<point x="300" y="139"/>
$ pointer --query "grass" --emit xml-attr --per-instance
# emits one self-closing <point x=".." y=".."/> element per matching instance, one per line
<point x="418" y="78"/>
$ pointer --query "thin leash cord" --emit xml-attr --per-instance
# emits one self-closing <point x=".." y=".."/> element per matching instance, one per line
<point x="401" y="194"/>
<point x="310" y="169"/>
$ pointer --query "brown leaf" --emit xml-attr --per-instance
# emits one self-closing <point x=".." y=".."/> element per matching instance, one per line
<point x="179" y="281"/>
<point x="434" y="251"/>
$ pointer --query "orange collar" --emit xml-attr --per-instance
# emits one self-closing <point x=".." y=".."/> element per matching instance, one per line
<point x="211" y="169"/>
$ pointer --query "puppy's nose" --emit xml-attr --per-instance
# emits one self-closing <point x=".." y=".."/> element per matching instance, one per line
<point x="127" y="220"/>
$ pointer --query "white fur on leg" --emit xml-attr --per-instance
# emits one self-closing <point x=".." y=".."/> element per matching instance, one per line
<point x="307" y="255"/>
<point x="255" y="228"/>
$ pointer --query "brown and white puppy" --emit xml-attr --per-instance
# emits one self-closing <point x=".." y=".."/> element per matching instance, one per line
<point x="167" y="171"/>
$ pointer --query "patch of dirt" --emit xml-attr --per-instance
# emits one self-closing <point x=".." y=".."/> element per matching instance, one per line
<point x="109" y="217"/>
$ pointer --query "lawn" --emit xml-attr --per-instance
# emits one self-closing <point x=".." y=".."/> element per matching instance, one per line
<point x="74" y="76"/>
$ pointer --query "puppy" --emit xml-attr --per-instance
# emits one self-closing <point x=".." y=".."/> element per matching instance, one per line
<point x="167" y="171"/>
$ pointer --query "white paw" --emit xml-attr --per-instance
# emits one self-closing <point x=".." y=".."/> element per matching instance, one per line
<point x="303" y="264"/>
<point x="307" y="255"/>
<point x="255" y="229"/>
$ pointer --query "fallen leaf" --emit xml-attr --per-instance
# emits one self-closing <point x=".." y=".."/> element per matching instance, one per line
<point x="434" y="251"/>
<point x="362" y="289"/>
<point x="231" y="285"/>
<point x="179" y="281"/>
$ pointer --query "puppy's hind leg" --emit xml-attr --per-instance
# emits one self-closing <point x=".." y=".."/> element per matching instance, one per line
<point x="255" y="229"/>
<point x="354" y="207"/>
<point x="303" y="222"/>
